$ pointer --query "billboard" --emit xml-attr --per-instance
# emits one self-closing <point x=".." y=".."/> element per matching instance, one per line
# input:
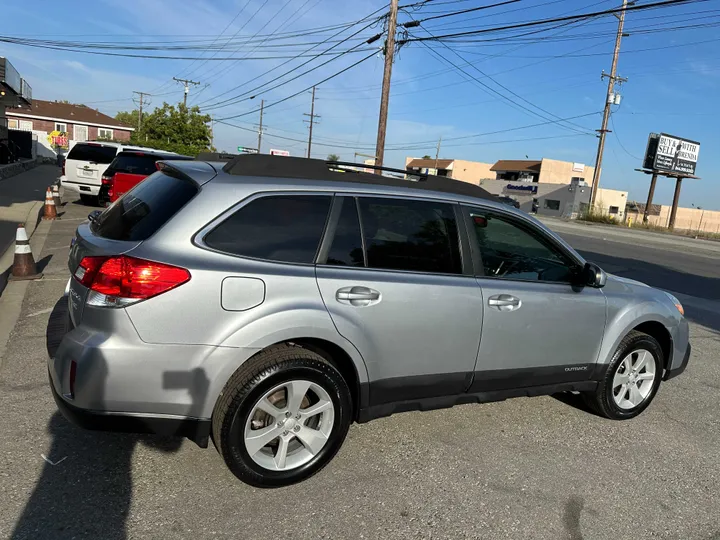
<point x="673" y="154"/>
<point x="274" y="152"/>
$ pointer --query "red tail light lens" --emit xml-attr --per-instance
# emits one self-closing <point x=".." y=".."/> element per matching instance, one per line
<point x="106" y="179"/>
<point x="128" y="277"/>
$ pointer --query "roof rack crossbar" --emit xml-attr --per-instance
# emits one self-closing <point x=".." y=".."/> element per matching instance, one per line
<point x="376" y="168"/>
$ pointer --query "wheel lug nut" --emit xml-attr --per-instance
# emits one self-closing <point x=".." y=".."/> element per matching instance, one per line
<point x="285" y="432"/>
<point x="288" y="414"/>
<point x="297" y="428"/>
<point x="297" y="416"/>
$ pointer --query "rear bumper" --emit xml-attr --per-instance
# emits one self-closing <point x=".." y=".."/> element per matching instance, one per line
<point x="195" y="429"/>
<point x="84" y="188"/>
<point x="671" y="373"/>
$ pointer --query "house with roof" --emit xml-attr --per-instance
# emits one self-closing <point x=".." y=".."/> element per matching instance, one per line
<point x="57" y="124"/>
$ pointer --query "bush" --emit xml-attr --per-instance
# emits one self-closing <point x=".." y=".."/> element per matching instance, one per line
<point x="597" y="216"/>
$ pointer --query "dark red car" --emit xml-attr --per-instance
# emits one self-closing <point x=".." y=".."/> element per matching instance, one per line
<point x="128" y="169"/>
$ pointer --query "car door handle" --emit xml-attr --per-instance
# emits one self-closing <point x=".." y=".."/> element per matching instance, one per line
<point x="357" y="296"/>
<point x="504" y="302"/>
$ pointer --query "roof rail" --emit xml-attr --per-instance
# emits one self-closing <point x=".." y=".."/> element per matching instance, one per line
<point x="343" y="164"/>
<point x="264" y="165"/>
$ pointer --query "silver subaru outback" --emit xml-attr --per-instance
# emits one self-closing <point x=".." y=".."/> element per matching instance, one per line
<point x="270" y="302"/>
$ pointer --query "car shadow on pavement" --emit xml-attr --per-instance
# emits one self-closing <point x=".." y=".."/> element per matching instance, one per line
<point x="85" y="487"/>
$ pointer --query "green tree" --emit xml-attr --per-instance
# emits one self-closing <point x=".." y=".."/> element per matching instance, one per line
<point x="173" y="128"/>
<point x="333" y="157"/>
<point x="426" y="157"/>
<point x="129" y="118"/>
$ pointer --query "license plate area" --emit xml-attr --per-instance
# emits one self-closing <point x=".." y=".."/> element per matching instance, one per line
<point x="86" y="173"/>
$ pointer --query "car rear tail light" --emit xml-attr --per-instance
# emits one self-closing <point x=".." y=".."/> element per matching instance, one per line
<point x="122" y="280"/>
<point x="106" y="179"/>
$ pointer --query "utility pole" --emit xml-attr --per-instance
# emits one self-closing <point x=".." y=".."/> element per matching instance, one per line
<point x="141" y="94"/>
<point x="387" y="74"/>
<point x="609" y="100"/>
<point x="186" y="83"/>
<point x="437" y="154"/>
<point x="312" y="116"/>
<point x="260" y="128"/>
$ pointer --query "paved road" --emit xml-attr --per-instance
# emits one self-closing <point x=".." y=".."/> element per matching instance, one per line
<point x="538" y="468"/>
<point x="693" y="276"/>
<point x="16" y="195"/>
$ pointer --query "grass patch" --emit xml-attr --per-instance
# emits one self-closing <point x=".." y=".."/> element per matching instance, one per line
<point x="598" y="217"/>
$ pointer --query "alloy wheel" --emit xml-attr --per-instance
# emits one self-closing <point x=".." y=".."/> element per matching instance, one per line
<point x="634" y="379"/>
<point x="289" y="425"/>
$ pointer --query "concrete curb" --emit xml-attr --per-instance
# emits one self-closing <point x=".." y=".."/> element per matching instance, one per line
<point x="13" y="296"/>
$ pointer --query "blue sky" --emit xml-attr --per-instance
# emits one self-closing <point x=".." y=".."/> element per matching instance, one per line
<point x="673" y="87"/>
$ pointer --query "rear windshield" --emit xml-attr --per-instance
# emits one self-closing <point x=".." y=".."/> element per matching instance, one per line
<point x="139" y="163"/>
<point x="135" y="164"/>
<point x="144" y="209"/>
<point x="93" y="152"/>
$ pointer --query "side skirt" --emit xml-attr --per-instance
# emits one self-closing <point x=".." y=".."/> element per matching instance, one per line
<point x="444" y="402"/>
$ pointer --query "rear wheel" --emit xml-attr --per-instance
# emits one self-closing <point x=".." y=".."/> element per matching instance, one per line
<point x="282" y="417"/>
<point x="631" y="380"/>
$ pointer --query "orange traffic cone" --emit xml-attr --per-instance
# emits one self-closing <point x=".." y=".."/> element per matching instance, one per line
<point x="56" y="196"/>
<point x="24" y="263"/>
<point x="50" y="208"/>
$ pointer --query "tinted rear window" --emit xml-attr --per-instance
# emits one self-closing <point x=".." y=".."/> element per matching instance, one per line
<point x="92" y="152"/>
<point x="135" y="164"/>
<point x="285" y="228"/>
<point x="419" y="236"/>
<point x="144" y="209"/>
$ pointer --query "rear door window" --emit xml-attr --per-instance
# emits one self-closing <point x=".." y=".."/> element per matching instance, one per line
<point x="284" y="228"/>
<point x="404" y="234"/>
<point x="94" y="153"/>
<point x="144" y="209"/>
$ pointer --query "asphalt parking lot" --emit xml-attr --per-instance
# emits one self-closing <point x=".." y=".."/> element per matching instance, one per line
<point x="524" y="468"/>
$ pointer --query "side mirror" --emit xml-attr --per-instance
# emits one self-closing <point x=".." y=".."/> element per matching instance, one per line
<point x="92" y="216"/>
<point x="593" y="276"/>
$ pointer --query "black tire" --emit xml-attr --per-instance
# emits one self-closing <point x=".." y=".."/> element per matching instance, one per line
<point x="602" y="401"/>
<point x="89" y="200"/>
<point x="258" y="375"/>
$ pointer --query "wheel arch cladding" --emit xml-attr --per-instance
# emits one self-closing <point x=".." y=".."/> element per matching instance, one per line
<point x="342" y="361"/>
<point x="658" y="331"/>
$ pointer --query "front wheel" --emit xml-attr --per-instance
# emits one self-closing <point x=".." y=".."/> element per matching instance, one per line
<point x="631" y="380"/>
<point x="282" y="417"/>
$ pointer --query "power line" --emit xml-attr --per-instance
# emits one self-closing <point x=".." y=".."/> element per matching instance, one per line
<point x="237" y="98"/>
<point x="304" y="89"/>
<point x="500" y="94"/>
<point x="664" y="3"/>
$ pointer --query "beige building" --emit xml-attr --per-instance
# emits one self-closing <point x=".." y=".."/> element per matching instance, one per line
<point x="547" y="171"/>
<point x="457" y="169"/>
<point x="611" y="202"/>
<point x="693" y="219"/>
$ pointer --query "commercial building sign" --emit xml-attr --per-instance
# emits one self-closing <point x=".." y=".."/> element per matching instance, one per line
<point x="274" y="152"/>
<point x="527" y="187"/>
<point x="668" y="153"/>
<point x="10" y="76"/>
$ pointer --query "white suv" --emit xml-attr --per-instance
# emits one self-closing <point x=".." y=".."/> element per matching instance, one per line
<point x="85" y="165"/>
